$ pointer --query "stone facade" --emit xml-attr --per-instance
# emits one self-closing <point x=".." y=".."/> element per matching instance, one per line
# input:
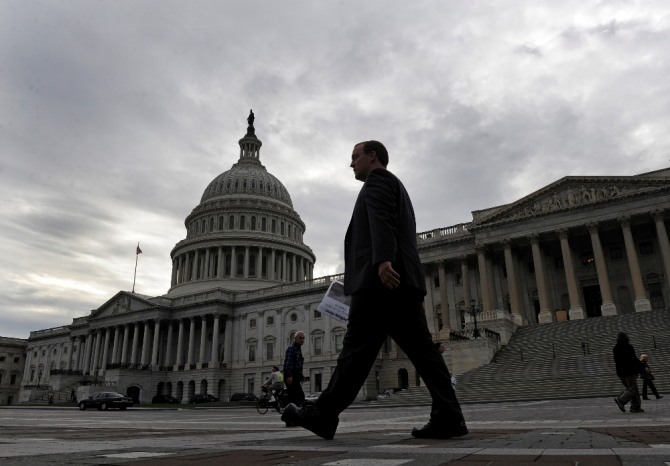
<point x="242" y="285"/>
<point x="12" y="362"/>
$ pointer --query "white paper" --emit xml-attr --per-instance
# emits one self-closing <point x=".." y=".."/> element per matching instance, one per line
<point x="335" y="304"/>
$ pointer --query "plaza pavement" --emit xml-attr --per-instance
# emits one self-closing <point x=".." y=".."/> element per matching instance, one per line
<point x="580" y="432"/>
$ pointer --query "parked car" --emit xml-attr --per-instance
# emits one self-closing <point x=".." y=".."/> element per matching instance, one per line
<point x="243" y="397"/>
<point x="105" y="400"/>
<point x="165" y="399"/>
<point x="203" y="398"/>
<point x="313" y="396"/>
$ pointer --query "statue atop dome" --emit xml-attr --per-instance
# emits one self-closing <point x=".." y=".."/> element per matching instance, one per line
<point x="250" y="119"/>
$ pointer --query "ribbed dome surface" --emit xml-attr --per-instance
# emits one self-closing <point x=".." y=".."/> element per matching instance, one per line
<point x="247" y="177"/>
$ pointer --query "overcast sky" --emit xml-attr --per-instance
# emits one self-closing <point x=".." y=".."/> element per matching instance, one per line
<point x="116" y="115"/>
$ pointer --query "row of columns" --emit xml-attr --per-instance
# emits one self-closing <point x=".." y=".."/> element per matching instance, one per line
<point x="116" y="345"/>
<point x="488" y="294"/>
<point x="210" y="263"/>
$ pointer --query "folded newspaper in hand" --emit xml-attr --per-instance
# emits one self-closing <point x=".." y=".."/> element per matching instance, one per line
<point x="335" y="303"/>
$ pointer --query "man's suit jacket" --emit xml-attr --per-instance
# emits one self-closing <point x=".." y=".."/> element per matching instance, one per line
<point x="382" y="228"/>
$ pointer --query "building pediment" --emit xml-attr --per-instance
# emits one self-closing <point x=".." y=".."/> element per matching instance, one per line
<point x="575" y="192"/>
<point x="122" y="303"/>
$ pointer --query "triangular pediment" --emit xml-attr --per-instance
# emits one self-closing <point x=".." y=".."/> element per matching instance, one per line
<point x="575" y="192"/>
<point x="122" y="303"/>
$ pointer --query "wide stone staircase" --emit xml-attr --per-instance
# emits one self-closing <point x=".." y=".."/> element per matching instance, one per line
<point x="562" y="360"/>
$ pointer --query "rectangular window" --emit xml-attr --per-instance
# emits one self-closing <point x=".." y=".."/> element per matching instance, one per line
<point x="264" y="224"/>
<point x="281" y="228"/>
<point x="231" y="223"/>
<point x="12" y="381"/>
<point x="0" y="378"/>
<point x="16" y="359"/>
<point x="274" y="225"/>
<point x="317" y="314"/>
<point x="269" y="350"/>
<point x="253" y="223"/>
<point x="269" y="320"/>
<point x="252" y="353"/>
<point x="436" y="281"/>
<point x="646" y="247"/>
<point x="317" y="346"/>
<point x="250" y="385"/>
<point x="252" y="323"/>
<point x="459" y="279"/>
<point x="2" y="358"/>
<point x="338" y="342"/>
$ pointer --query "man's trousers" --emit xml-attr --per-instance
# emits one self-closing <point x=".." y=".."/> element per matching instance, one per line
<point x="374" y="315"/>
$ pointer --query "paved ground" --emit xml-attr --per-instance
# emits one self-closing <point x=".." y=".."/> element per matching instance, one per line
<point x="548" y="433"/>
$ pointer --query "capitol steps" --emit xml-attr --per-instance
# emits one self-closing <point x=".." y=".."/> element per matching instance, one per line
<point x="562" y="360"/>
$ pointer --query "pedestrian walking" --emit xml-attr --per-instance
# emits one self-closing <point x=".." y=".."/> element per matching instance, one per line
<point x="628" y="366"/>
<point x="384" y="277"/>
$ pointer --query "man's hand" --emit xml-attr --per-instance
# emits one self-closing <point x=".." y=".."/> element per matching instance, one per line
<point x="389" y="277"/>
<point x="289" y="380"/>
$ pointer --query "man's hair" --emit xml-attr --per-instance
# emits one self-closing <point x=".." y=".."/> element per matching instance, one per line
<point x="622" y="338"/>
<point x="379" y="150"/>
<point x="275" y="368"/>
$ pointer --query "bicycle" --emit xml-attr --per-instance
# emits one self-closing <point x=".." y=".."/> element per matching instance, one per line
<point x="264" y="404"/>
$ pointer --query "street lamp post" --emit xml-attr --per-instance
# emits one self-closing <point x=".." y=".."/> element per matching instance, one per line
<point x="473" y="311"/>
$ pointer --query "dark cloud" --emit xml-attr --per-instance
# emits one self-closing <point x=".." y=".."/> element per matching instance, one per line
<point x="117" y="115"/>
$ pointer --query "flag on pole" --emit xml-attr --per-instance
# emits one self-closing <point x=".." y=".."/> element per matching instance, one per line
<point x="138" y="250"/>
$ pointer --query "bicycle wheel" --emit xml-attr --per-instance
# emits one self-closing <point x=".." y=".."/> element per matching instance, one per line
<point x="282" y="402"/>
<point x="262" y="406"/>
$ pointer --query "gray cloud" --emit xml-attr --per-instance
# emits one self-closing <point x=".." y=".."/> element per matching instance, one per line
<point x="116" y="116"/>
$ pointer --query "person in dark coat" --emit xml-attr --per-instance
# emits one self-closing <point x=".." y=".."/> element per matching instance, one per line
<point x="647" y="378"/>
<point x="628" y="366"/>
<point x="384" y="277"/>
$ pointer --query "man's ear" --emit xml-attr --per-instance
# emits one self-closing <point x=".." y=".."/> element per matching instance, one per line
<point x="373" y="154"/>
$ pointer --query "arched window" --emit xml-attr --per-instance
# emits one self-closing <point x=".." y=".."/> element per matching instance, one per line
<point x="243" y="223"/>
<point x="231" y="223"/>
<point x="263" y="224"/>
<point x="211" y="224"/>
<point x="253" y="222"/>
<point x="221" y="222"/>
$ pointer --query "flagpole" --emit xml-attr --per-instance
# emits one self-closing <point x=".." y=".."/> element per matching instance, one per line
<point x="137" y="255"/>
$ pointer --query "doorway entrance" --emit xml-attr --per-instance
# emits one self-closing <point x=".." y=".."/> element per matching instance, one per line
<point x="593" y="300"/>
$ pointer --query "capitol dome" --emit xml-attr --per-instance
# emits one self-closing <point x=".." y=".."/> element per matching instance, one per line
<point x="244" y="234"/>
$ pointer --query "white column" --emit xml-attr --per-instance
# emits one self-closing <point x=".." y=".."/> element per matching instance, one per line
<point x="228" y="342"/>
<point x="115" y="346"/>
<point x="170" y="336"/>
<point x="145" y="343"/>
<point x="203" y="340"/>
<point x="512" y="285"/>
<point x="576" y="312"/>
<point x="663" y="242"/>
<point x="124" y="344"/>
<point x="483" y="278"/>
<point x="608" y="308"/>
<point x="191" y="341"/>
<point x="105" y="348"/>
<point x="136" y="339"/>
<point x="546" y="315"/>
<point x="642" y="303"/>
<point x="180" y="344"/>
<point x="214" y="359"/>
<point x="156" y="336"/>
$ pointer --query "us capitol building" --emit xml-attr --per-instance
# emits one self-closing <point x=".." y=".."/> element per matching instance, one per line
<point x="242" y="284"/>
